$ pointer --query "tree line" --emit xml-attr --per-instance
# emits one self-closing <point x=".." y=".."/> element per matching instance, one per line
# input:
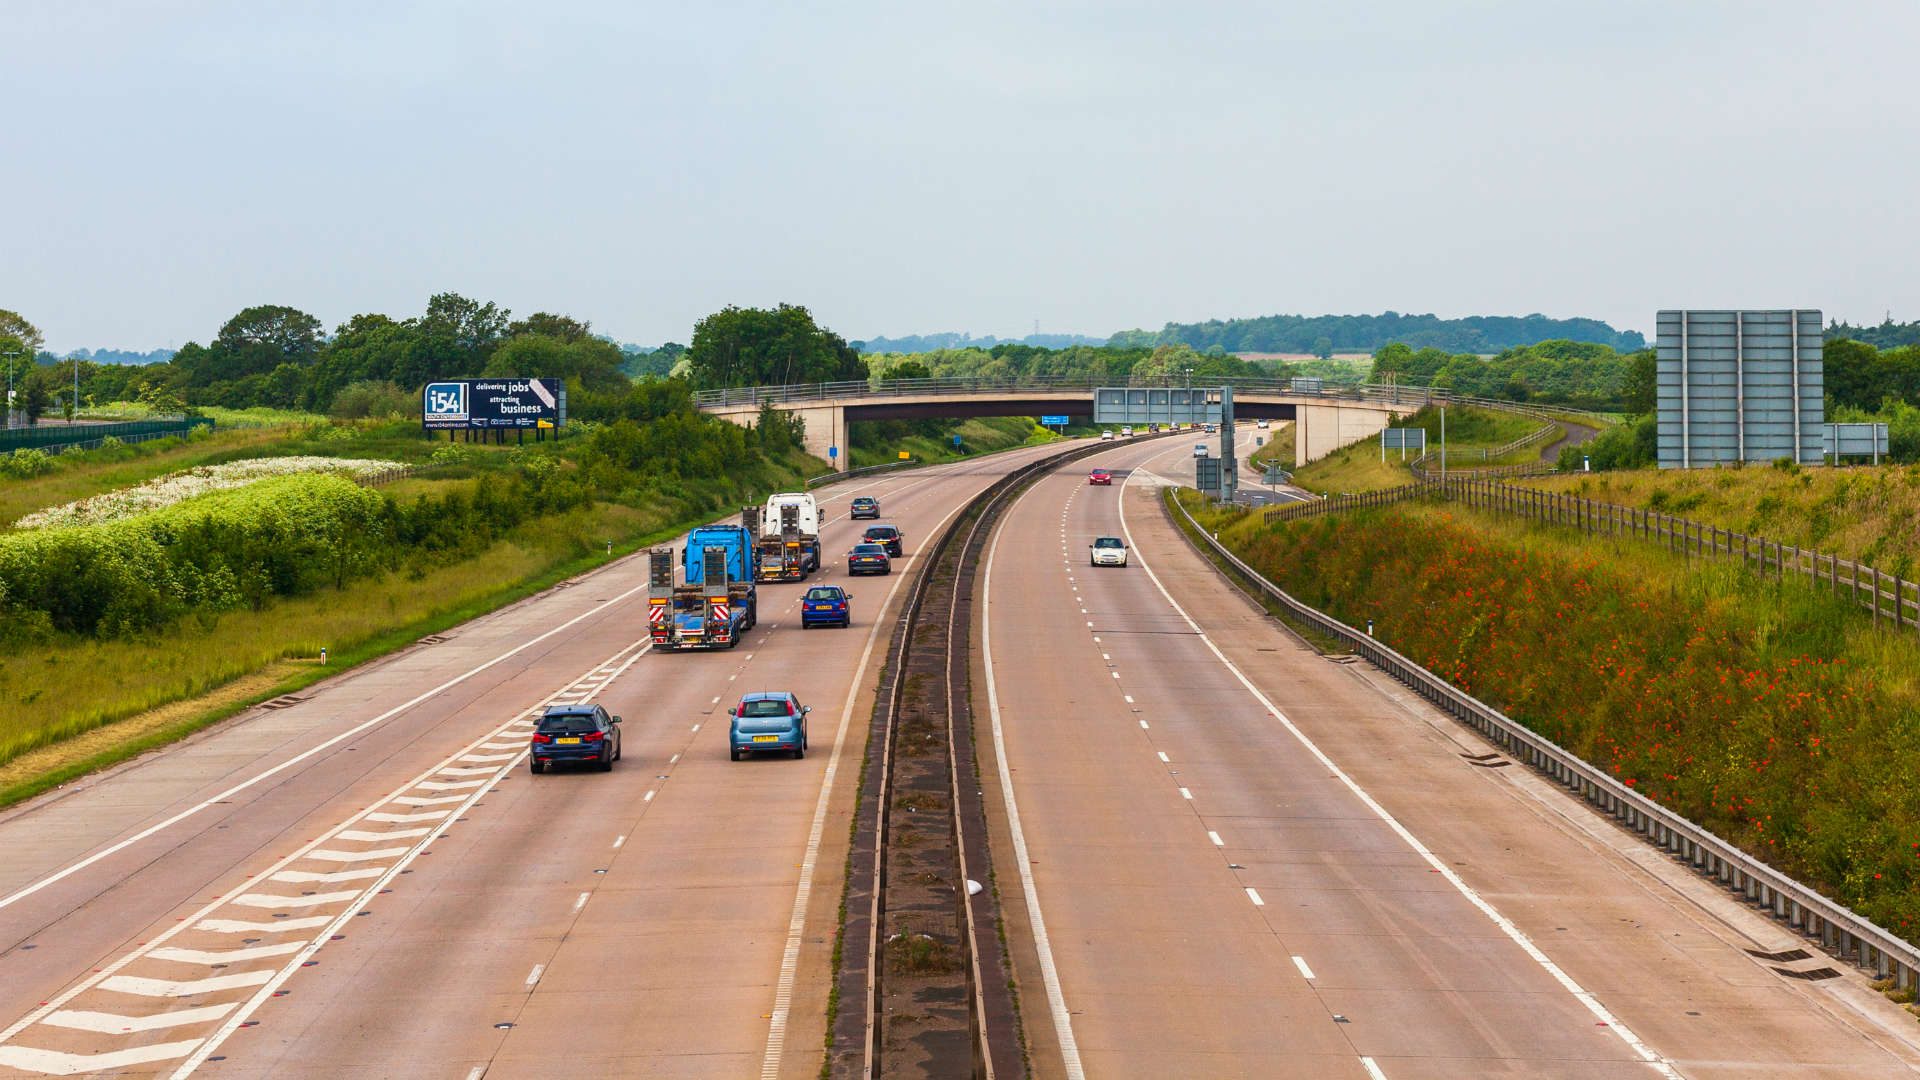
<point x="1322" y="335"/>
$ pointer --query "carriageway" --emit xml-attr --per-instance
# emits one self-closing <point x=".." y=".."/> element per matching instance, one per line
<point x="1327" y="417"/>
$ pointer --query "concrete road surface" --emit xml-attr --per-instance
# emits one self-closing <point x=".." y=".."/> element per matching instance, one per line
<point x="1224" y="855"/>
<point x="370" y="883"/>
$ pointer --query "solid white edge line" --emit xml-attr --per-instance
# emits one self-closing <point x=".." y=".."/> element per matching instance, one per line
<point x="1373" y="1071"/>
<point x="150" y="830"/>
<point x="1648" y="1055"/>
<point x="797" y="922"/>
<point x="1056" y="1001"/>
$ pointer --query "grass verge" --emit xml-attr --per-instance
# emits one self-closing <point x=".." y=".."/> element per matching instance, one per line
<point x="1768" y="712"/>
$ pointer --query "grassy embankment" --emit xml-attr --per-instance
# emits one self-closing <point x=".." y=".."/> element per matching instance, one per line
<point x="982" y="435"/>
<point x="1775" y="715"/>
<point x="1469" y="430"/>
<point x="76" y="704"/>
<point x="1860" y="512"/>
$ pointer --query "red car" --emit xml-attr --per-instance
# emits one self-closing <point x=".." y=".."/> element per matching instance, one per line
<point x="1100" y="476"/>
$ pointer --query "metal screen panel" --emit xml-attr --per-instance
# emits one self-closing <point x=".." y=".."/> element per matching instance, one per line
<point x="1412" y="438"/>
<point x="1853" y="440"/>
<point x="1739" y="386"/>
<point x="1142" y="405"/>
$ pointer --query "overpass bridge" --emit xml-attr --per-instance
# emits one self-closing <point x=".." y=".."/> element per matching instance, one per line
<point x="1325" y="418"/>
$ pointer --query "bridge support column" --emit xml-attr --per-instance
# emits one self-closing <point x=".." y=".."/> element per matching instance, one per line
<point x="826" y="426"/>
<point x="1319" y="430"/>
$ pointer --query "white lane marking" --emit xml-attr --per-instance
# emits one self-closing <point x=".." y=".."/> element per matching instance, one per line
<point x="176" y="988"/>
<point x="55" y="1063"/>
<point x="1373" y="1071"/>
<point x="479" y="1071"/>
<point x="477" y="770"/>
<point x="1049" y="976"/>
<point x="115" y="1024"/>
<point x="648" y="797"/>
<point x="307" y="877"/>
<point x="499" y="746"/>
<point x="715" y="701"/>
<point x="1165" y="758"/>
<point x="796" y="924"/>
<point x="1255" y="897"/>
<point x="1215" y="837"/>
<point x="618" y="840"/>
<point x="241" y="926"/>
<point x="425" y="815"/>
<point x="422" y="800"/>
<point x="1116" y="674"/>
<point x="1106" y="656"/>
<point x="695" y="727"/>
<point x="330" y="855"/>
<point x="1185" y="794"/>
<point x="1513" y="932"/>
<point x="390" y="834"/>
<point x="580" y="903"/>
<point x="448" y="785"/>
<point x="113" y="849"/>
<point x="274" y="900"/>
<point x="534" y="975"/>
<point x="673" y="759"/>
<point x="1301" y="963"/>
<point x="210" y="957"/>
<point x="1143" y="725"/>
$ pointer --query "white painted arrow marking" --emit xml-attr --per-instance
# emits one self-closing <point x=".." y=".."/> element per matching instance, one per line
<point x="226" y="956"/>
<point x="115" y="1024"/>
<point x="134" y="984"/>
<point x="303" y="877"/>
<point x="55" y="1063"/>
<point x="269" y="900"/>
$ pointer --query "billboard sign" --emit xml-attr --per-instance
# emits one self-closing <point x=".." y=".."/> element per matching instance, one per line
<point x="493" y="404"/>
<point x="1854" y="440"/>
<point x="1739" y="386"/>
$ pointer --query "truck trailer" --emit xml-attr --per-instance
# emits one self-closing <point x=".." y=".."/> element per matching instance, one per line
<point x="789" y="537"/>
<point x="716" y="604"/>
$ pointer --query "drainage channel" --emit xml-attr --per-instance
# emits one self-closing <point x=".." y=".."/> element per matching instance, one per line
<point x="922" y="982"/>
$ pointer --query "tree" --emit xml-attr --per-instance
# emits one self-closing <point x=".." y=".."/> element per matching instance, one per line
<point x="36" y="397"/>
<point x="907" y="369"/>
<point x="253" y="342"/>
<point x="754" y="346"/>
<point x="563" y="328"/>
<point x="1323" y="347"/>
<point x="1640" y="388"/>
<point x="469" y="325"/>
<point x="594" y="363"/>
<point x="13" y="326"/>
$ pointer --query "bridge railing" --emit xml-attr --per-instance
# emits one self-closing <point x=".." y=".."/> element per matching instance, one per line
<point x="755" y="396"/>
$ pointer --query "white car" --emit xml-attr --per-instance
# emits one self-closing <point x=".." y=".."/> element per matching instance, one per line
<point x="1106" y="435"/>
<point x="1200" y="449"/>
<point x="1261" y="424"/>
<point x="1108" y="551"/>
<point x="1127" y="431"/>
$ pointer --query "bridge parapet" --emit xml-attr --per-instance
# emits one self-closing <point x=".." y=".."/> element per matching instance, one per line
<point x="754" y="396"/>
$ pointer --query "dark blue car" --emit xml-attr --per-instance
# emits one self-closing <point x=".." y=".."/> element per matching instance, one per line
<point x="825" y="605"/>
<point x="583" y="733"/>
<point x="768" y="722"/>
<point x="868" y="559"/>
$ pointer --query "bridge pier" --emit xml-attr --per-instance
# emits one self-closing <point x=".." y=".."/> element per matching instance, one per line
<point x="826" y="425"/>
<point x="1319" y="430"/>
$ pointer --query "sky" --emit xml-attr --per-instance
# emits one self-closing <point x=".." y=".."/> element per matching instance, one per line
<point x="915" y="168"/>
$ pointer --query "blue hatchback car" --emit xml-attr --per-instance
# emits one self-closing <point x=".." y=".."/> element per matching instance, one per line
<point x="825" y="605"/>
<point x="768" y="721"/>
<point x="583" y="733"/>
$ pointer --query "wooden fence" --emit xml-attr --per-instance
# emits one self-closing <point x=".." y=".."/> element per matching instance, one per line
<point x="1887" y="596"/>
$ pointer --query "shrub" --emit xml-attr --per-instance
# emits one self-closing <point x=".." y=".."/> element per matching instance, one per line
<point x="370" y="398"/>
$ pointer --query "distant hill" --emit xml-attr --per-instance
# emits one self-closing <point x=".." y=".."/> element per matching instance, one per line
<point x="1485" y="334"/>
<point x="919" y="343"/>
<point x="121" y="356"/>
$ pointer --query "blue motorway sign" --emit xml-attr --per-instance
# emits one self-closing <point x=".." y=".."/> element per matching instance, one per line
<point x="1053" y="421"/>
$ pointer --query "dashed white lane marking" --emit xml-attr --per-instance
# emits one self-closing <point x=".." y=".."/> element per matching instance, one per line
<point x="534" y="975"/>
<point x="673" y="759"/>
<point x="1305" y="971"/>
<point x="1129" y="698"/>
<point x="260" y="777"/>
<point x="1106" y="656"/>
<point x="1185" y="794"/>
<point x="1255" y="897"/>
<point x="696" y="727"/>
<point x="715" y="701"/>
<point x="1049" y="975"/>
<point x="1373" y="1071"/>
<point x="1143" y="725"/>
<point x="581" y="902"/>
<point x="1164" y="757"/>
<point x="1116" y="674"/>
<point x="648" y="797"/>
<point x="618" y="840"/>
<point x="56" y="1063"/>
<point x="1215" y="837"/>
<point x="1513" y="932"/>
<point x="477" y="1072"/>
<point x="210" y="957"/>
<point x="114" y="1024"/>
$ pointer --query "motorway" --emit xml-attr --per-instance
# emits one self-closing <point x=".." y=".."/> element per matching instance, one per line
<point x="1224" y="855"/>
<point x="370" y="883"/>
